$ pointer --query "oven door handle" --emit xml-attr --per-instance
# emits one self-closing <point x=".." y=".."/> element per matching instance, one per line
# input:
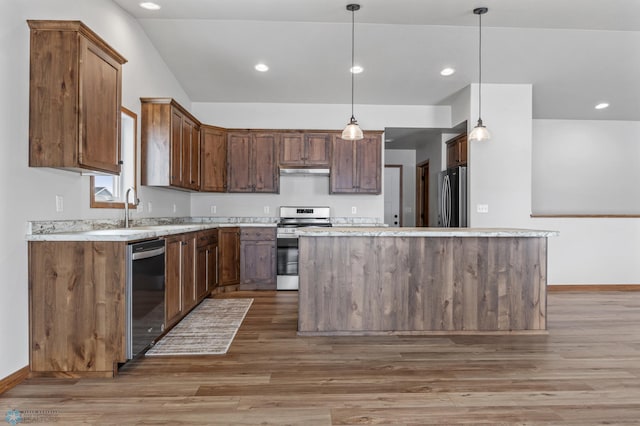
<point x="147" y="254"/>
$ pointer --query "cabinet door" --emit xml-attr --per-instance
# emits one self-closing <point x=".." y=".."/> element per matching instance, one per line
<point x="292" y="151"/>
<point x="100" y="109"/>
<point x="177" y="151"/>
<point x="258" y="258"/>
<point x="202" y="270"/>
<point x="212" y="267"/>
<point x="369" y="164"/>
<point x="189" y="293"/>
<point x="342" y="166"/>
<point x="317" y="149"/>
<point x="238" y="154"/>
<point x="229" y="256"/>
<point x="264" y="162"/>
<point x="206" y="270"/>
<point x="185" y="166"/>
<point x="463" y="150"/>
<point x="173" y="281"/>
<point x="213" y="160"/>
<point x="194" y="157"/>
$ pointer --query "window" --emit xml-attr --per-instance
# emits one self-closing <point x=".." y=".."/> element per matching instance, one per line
<point x="109" y="191"/>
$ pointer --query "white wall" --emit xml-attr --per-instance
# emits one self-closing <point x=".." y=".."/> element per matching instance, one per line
<point x="500" y="169"/>
<point x="586" y="167"/>
<point x="587" y="251"/>
<point x="406" y="158"/>
<point x="29" y="193"/>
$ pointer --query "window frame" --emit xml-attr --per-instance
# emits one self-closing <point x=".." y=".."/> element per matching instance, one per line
<point x="92" y="185"/>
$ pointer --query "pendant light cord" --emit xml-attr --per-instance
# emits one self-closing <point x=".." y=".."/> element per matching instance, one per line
<point x="353" y="35"/>
<point x="480" y="68"/>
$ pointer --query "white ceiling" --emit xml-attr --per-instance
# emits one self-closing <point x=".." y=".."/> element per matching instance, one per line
<point x="576" y="53"/>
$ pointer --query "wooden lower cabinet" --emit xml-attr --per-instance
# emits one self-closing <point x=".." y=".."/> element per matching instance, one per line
<point x="180" y="277"/>
<point x="76" y="307"/>
<point x="206" y="263"/>
<point x="229" y="256"/>
<point x="258" y="258"/>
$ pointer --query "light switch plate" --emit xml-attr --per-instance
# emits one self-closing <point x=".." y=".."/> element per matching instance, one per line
<point x="354" y="210"/>
<point x="59" y="203"/>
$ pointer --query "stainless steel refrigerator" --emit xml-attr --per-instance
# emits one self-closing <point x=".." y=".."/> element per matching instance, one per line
<point x="452" y="197"/>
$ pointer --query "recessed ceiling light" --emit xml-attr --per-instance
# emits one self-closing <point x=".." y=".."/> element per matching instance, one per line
<point x="261" y="67"/>
<point x="447" y="72"/>
<point x="356" y="69"/>
<point x="602" y="105"/>
<point x="149" y="5"/>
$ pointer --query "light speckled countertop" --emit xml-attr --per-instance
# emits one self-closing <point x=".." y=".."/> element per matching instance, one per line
<point x="422" y="232"/>
<point x="135" y="233"/>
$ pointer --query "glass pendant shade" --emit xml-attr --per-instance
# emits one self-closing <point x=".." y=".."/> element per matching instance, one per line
<point x="479" y="133"/>
<point x="352" y="132"/>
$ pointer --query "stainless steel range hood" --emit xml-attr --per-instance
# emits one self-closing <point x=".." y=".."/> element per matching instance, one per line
<point x="296" y="171"/>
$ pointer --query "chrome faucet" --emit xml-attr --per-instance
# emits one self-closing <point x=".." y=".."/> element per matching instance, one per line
<point x="126" y="204"/>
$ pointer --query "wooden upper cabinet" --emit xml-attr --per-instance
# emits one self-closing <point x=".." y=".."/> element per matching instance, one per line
<point x="170" y="145"/>
<point x="457" y="151"/>
<point x="238" y="158"/>
<point x="252" y="162"/>
<point x="75" y="91"/>
<point x="356" y="166"/>
<point x="304" y="149"/>
<point x="264" y="162"/>
<point x="213" y="159"/>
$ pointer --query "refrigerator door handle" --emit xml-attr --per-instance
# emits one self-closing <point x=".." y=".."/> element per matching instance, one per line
<point x="447" y="202"/>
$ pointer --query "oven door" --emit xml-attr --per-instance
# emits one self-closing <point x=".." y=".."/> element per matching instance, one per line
<point x="287" y="266"/>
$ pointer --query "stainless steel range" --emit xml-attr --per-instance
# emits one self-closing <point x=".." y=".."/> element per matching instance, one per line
<point x="292" y="218"/>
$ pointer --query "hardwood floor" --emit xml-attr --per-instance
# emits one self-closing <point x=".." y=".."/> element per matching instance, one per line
<point x="586" y="371"/>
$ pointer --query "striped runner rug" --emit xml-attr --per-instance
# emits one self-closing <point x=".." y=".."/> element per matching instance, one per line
<point x="207" y="330"/>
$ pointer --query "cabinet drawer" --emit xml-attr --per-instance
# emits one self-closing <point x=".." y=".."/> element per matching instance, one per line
<point x="206" y="238"/>
<point x="260" y="233"/>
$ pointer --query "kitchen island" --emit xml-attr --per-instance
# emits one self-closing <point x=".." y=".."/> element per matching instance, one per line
<point x="368" y="281"/>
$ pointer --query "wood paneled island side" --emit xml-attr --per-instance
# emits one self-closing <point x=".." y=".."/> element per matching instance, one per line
<point x="367" y="281"/>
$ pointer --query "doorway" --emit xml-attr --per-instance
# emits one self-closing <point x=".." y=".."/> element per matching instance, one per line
<point x="422" y="194"/>
<point x="393" y="195"/>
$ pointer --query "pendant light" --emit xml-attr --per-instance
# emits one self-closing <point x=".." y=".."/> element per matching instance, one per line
<point x="480" y="132"/>
<point x="352" y="132"/>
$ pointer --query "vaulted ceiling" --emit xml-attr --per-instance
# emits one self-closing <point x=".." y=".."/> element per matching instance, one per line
<point x="575" y="53"/>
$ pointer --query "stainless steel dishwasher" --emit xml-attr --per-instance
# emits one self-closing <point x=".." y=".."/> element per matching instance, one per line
<point x="145" y="295"/>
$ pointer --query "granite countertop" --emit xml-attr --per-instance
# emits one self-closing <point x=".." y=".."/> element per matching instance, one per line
<point x="422" y="232"/>
<point x="135" y="233"/>
<point x="150" y="228"/>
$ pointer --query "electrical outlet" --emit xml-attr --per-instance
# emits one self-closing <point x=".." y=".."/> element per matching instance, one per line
<point x="266" y="209"/>
<point x="354" y="210"/>
<point x="214" y="209"/>
<point x="59" y="203"/>
<point x="175" y="208"/>
<point x="149" y="206"/>
<point x="482" y="208"/>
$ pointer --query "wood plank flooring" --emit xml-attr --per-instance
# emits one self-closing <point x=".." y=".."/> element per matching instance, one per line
<point x="586" y="371"/>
